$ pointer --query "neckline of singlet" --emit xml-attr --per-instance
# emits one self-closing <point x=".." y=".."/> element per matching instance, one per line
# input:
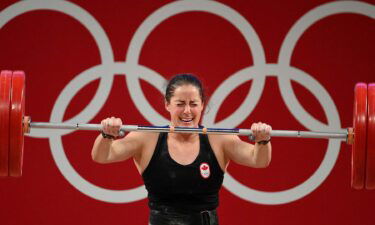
<point x="179" y="164"/>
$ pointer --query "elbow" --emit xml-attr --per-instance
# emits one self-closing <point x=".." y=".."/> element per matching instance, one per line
<point x="262" y="164"/>
<point x="263" y="160"/>
<point x="95" y="158"/>
<point x="98" y="159"/>
<point x="265" y="165"/>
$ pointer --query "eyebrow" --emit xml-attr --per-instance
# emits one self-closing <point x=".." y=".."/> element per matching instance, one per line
<point x="184" y="101"/>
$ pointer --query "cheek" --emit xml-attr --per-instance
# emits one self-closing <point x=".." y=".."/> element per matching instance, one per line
<point x="176" y="111"/>
<point x="197" y="111"/>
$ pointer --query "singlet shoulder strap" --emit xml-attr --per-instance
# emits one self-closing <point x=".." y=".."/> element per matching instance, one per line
<point x="204" y="140"/>
<point x="161" y="142"/>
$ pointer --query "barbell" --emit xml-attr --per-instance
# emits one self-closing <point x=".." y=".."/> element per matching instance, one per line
<point x="14" y="124"/>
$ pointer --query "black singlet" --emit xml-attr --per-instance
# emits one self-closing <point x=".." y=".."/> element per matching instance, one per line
<point x="191" y="188"/>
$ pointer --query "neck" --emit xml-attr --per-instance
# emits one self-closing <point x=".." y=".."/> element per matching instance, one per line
<point x="183" y="137"/>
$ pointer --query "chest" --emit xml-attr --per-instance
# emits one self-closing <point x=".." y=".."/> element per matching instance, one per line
<point x="183" y="153"/>
<point x="183" y="168"/>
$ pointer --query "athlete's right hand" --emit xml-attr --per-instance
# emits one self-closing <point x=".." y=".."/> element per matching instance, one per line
<point x="111" y="126"/>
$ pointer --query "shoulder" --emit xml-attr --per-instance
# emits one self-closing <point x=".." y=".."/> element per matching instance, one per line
<point x="228" y="144"/>
<point x="219" y="145"/>
<point x="135" y="142"/>
<point x="141" y="138"/>
<point x="222" y="140"/>
<point x="139" y="142"/>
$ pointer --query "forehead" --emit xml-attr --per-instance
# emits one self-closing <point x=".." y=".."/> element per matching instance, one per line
<point x="184" y="92"/>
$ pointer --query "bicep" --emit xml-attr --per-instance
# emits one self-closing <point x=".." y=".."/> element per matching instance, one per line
<point x="239" y="151"/>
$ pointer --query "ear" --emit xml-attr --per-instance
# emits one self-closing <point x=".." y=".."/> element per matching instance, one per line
<point x="166" y="105"/>
<point x="202" y="105"/>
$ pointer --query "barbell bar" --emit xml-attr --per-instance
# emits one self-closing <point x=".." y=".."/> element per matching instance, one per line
<point x="14" y="124"/>
<point x="169" y="129"/>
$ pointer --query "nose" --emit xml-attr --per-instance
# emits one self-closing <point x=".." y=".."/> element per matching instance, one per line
<point x="187" y="109"/>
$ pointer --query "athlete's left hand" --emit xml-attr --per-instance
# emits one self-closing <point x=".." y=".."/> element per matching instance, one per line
<point x="261" y="131"/>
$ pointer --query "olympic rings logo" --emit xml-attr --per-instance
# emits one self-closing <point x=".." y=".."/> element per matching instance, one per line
<point x="257" y="73"/>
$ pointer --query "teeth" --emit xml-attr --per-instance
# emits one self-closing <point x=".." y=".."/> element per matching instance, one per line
<point x="184" y="120"/>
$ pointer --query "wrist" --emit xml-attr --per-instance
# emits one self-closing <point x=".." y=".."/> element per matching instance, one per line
<point x="264" y="142"/>
<point x="107" y="136"/>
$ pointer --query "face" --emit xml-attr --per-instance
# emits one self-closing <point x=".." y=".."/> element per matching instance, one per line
<point x="185" y="106"/>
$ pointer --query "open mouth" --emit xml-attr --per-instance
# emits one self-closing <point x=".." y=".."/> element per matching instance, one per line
<point x="186" y="120"/>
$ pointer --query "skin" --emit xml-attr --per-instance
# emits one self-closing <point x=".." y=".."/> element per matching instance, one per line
<point x="185" y="108"/>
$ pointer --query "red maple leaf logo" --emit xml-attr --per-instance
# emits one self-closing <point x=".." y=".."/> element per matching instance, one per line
<point x="204" y="167"/>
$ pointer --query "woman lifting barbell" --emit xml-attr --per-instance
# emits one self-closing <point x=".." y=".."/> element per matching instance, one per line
<point x="182" y="172"/>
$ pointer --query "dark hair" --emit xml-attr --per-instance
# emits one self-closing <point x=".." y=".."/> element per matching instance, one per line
<point x="183" y="79"/>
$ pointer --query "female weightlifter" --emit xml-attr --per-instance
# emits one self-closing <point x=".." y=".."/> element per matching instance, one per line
<point x="183" y="173"/>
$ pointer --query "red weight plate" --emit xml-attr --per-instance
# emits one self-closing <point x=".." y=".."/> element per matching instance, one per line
<point x="360" y="130"/>
<point x="5" y="87"/>
<point x="16" y="126"/>
<point x="370" y="161"/>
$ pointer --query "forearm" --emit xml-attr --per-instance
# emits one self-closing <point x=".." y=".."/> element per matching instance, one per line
<point x="101" y="149"/>
<point x="262" y="154"/>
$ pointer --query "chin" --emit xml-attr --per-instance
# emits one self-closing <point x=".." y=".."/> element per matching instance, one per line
<point x="186" y="125"/>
